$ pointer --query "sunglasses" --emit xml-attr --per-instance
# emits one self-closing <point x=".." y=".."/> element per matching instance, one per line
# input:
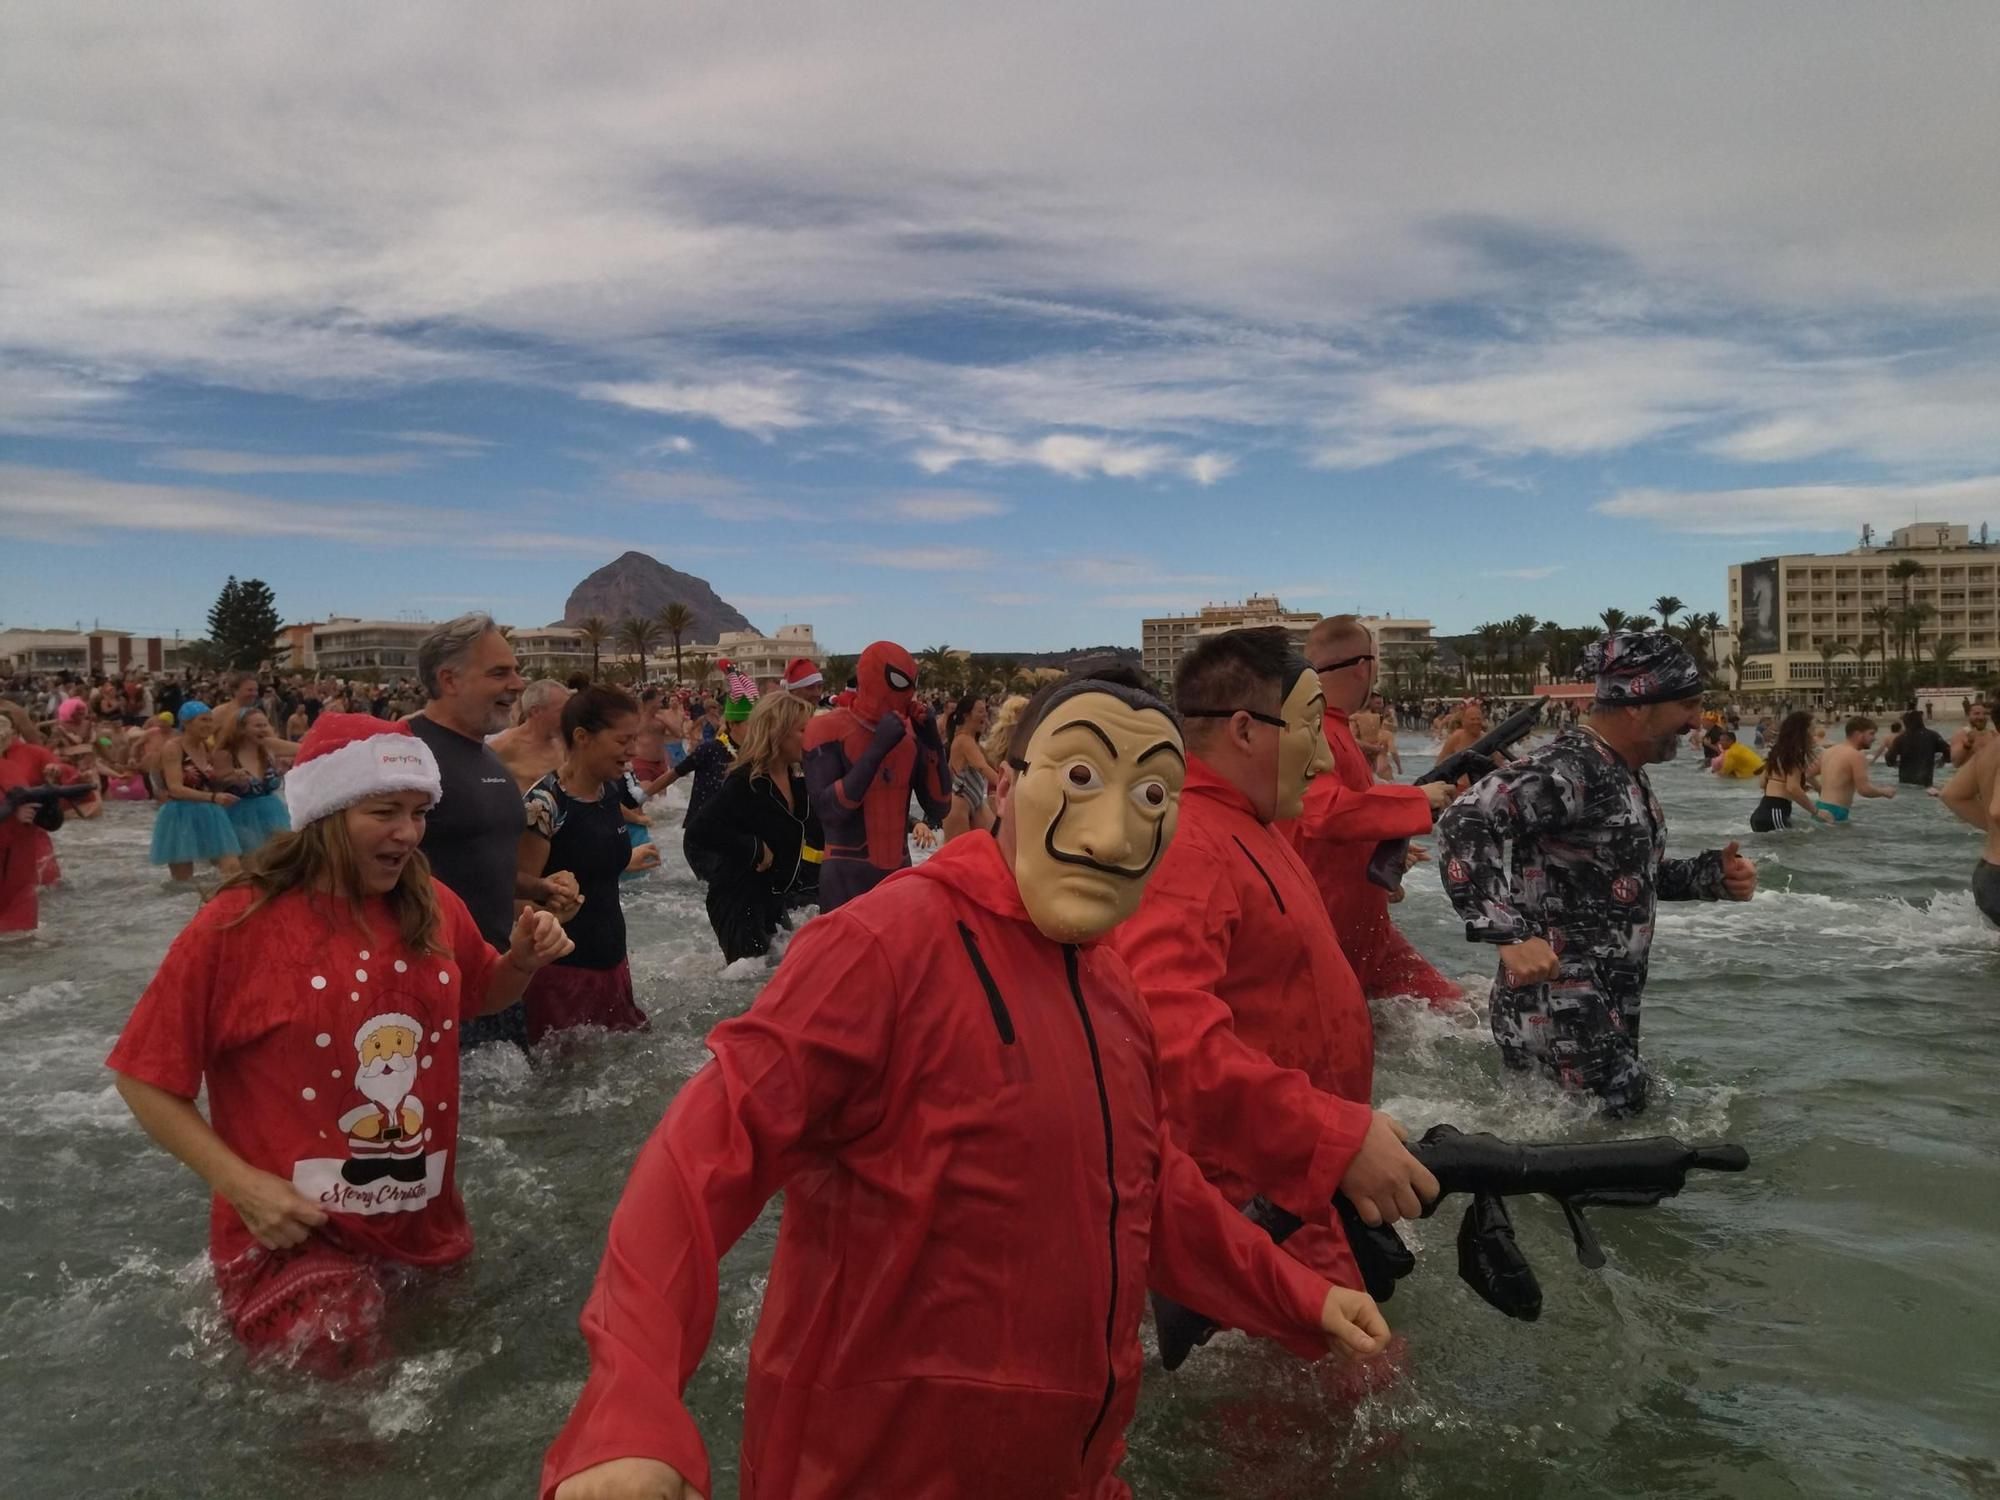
<point x="1345" y="661"/>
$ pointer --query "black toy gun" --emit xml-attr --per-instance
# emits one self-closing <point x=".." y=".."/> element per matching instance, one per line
<point x="47" y="800"/>
<point x="1579" y="1175"/>
<point x="1385" y="866"/>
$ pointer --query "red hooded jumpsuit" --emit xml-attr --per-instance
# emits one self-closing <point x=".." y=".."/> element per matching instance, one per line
<point x="1266" y="1047"/>
<point x="965" y="1119"/>
<point x="1348" y="813"/>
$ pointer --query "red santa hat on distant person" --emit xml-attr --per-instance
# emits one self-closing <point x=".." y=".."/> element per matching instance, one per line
<point x="801" y="673"/>
<point x="348" y="758"/>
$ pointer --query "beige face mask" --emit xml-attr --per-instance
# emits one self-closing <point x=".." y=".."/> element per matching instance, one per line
<point x="1093" y="812"/>
<point x="1302" y="748"/>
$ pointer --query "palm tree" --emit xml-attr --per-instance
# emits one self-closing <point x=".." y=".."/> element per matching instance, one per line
<point x="1902" y="571"/>
<point x="1614" y="621"/>
<point x="1910" y="622"/>
<point x="1425" y="660"/>
<point x="697" y="662"/>
<point x="1524" y="631"/>
<point x="937" y="663"/>
<point x="639" y="636"/>
<point x="1666" y="607"/>
<point x="837" y="670"/>
<point x="1828" y="650"/>
<point x="1943" y="649"/>
<point x="594" y="632"/>
<point x="676" y="620"/>
<point x="1489" y="637"/>
<point x="1863" y="649"/>
<point x="1639" y="622"/>
<point x="1883" y="618"/>
<point x="1737" y="662"/>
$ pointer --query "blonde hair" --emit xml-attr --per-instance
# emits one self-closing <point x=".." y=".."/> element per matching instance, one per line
<point x="229" y="731"/>
<point x="1001" y="730"/>
<point x="320" y="858"/>
<point x="759" y="752"/>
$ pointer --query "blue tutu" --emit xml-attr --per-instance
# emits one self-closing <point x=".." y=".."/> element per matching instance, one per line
<point x="259" y="819"/>
<point x="637" y="834"/>
<point x="187" y="833"/>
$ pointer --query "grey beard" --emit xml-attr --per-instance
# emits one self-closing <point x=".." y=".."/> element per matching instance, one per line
<point x="1666" y="747"/>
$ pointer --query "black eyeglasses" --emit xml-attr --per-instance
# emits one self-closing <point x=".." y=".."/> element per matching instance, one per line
<point x="1345" y="661"/>
<point x="1230" y="713"/>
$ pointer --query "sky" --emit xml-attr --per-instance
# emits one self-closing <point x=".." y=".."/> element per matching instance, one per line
<point x="992" y="326"/>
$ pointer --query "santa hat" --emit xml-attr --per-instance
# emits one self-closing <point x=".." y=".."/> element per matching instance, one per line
<point x="348" y="758"/>
<point x="388" y="1018"/>
<point x="801" y="673"/>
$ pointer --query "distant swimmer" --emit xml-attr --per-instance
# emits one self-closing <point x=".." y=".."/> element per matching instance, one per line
<point x="1916" y="750"/>
<point x="1788" y="777"/>
<point x="1377" y="738"/>
<point x="1973" y="795"/>
<point x="1977" y="733"/>
<point x="1843" y="770"/>
<point x="1736" y="761"/>
<point x="1471" y="728"/>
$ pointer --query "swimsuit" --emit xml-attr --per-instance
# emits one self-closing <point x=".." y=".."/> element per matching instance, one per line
<point x="1771" y="813"/>
<point x="1839" y="813"/>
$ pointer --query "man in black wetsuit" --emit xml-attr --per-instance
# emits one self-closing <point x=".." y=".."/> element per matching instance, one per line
<point x="473" y="835"/>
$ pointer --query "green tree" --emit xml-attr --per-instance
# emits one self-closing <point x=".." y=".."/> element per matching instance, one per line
<point x="1902" y="571"/>
<point x="243" y="623"/>
<point x="1639" y="622"/>
<point x="1883" y="618"/>
<point x="1666" y="607"/>
<point x="1828" y="650"/>
<point x="837" y="670"/>
<point x="1614" y="620"/>
<point x="1943" y="649"/>
<point x="638" y="636"/>
<point x="595" y="633"/>
<point x="676" y="620"/>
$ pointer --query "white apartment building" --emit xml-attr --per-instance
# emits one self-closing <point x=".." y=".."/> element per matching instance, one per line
<point x="85" y="652"/>
<point x="1783" y="608"/>
<point x="341" y="646"/>
<point x="557" y="650"/>
<point x="1165" y="639"/>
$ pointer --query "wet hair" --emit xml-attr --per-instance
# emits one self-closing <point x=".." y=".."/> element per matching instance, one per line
<point x="1858" y="723"/>
<point x="1792" y="751"/>
<point x="1123" y="683"/>
<point x="595" y="710"/>
<point x="1913" y="721"/>
<point x="319" y="859"/>
<point x="1236" y="670"/>
<point x="449" y="645"/>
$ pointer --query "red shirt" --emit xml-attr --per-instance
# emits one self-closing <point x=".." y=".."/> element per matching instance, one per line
<point x="331" y="1058"/>
<point x="965" y="1118"/>
<point x="1267" y="1051"/>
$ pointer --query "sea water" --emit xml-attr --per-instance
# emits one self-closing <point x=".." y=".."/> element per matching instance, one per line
<point x="1826" y="1324"/>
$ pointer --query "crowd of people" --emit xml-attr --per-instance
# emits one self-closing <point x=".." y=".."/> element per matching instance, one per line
<point x="1006" y="1089"/>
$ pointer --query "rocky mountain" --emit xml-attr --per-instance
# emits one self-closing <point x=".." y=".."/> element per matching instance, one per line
<point x="638" y="585"/>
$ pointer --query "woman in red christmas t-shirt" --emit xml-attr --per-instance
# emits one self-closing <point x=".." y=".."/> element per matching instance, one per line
<point x="319" y="996"/>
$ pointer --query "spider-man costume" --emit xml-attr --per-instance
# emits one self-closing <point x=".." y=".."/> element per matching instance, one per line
<point x="862" y="762"/>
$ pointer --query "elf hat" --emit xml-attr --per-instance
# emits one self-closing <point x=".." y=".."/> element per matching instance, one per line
<point x="801" y="673"/>
<point x="348" y="758"/>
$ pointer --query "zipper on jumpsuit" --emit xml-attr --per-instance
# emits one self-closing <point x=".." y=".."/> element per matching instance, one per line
<point x="1111" y="1181"/>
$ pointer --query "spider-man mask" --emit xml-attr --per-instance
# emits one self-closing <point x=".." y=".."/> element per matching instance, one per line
<point x="885" y="682"/>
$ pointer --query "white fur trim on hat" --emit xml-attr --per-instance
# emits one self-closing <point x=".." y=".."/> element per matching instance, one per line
<point x="389" y="1018"/>
<point x="380" y="764"/>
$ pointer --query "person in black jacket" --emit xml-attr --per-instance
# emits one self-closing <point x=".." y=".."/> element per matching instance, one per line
<point x="757" y="835"/>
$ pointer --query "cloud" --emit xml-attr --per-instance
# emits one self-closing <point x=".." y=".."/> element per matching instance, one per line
<point x="1071" y="454"/>
<point x="760" y="410"/>
<point x="717" y="496"/>
<point x="225" y="461"/>
<point x="458" y="444"/>
<point x="1530" y="574"/>
<point x="61" y="505"/>
<point x="916" y="559"/>
<point x="678" y="445"/>
<point x="1813" y="508"/>
<point x="935" y="507"/>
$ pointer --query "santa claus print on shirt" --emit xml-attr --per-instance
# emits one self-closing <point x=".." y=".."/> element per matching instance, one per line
<point x="387" y="1168"/>
<point x="382" y="1116"/>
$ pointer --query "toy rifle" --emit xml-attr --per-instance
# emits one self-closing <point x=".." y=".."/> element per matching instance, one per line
<point x="1385" y="866"/>
<point x="47" y="800"/>
<point x="1578" y="1175"/>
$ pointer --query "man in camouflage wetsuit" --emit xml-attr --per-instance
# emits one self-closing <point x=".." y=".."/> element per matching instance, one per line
<point x="1559" y="859"/>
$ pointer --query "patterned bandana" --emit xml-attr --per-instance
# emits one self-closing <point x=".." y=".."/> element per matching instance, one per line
<point x="1635" y="668"/>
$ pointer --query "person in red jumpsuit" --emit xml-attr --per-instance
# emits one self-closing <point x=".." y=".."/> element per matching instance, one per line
<point x="1348" y="813"/>
<point x="862" y="762"/>
<point x="953" y="1080"/>
<point x="24" y="829"/>
<point x="1267" y="1052"/>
